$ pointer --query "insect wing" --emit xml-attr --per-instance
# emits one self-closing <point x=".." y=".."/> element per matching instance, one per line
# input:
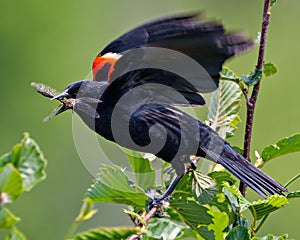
<point x="87" y="108"/>
<point x="53" y="113"/>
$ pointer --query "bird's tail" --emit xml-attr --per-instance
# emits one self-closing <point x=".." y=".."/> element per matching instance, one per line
<point x="248" y="173"/>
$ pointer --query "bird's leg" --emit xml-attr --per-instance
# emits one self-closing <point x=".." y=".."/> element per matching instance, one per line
<point x="170" y="189"/>
<point x="193" y="164"/>
<point x="168" y="192"/>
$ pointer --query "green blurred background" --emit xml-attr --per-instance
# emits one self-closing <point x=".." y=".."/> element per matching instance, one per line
<point x="54" y="42"/>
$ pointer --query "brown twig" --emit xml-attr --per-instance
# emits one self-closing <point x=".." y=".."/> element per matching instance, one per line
<point x="149" y="215"/>
<point x="252" y="101"/>
<point x="134" y="237"/>
<point x="133" y="220"/>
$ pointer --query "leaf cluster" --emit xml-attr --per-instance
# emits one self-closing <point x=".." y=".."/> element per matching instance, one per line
<point x="20" y="170"/>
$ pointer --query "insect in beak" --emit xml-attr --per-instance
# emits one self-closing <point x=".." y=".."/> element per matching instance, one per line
<point x="64" y="98"/>
<point x="61" y="96"/>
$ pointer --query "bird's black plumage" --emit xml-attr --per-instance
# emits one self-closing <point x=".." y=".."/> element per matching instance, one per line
<point x="171" y="125"/>
<point x="205" y="42"/>
<point x="148" y="120"/>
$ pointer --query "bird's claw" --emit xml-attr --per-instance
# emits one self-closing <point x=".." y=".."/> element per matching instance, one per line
<point x="160" y="203"/>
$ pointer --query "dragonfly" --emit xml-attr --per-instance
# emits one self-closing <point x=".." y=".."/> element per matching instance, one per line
<point x="85" y="104"/>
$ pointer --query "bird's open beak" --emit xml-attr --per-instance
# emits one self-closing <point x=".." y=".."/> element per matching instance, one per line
<point x="62" y="109"/>
<point x="61" y="96"/>
<point x="67" y="101"/>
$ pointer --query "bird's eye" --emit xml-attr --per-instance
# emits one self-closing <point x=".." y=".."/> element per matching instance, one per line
<point x="73" y="92"/>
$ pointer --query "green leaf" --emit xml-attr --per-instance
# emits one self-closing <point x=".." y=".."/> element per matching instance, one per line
<point x="238" y="232"/>
<point x="29" y="160"/>
<point x="253" y="78"/>
<point x="238" y="149"/>
<point x="86" y="211"/>
<point x="203" y="187"/>
<point x="7" y="219"/>
<point x="143" y="171"/>
<point x="204" y="196"/>
<point x="11" y="184"/>
<point x="135" y="216"/>
<point x="295" y="194"/>
<point x="183" y="189"/>
<point x="15" y="234"/>
<point x="229" y="75"/>
<point x="4" y="159"/>
<point x="233" y="200"/>
<point x="271" y="237"/>
<point x="107" y="233"/>
<point x="162" y="228"/>
<point x="265" y="206"/>
<point x="168" y="174"/>
<point x="220" y="222"/>
<point x="269" y="69"/>
<point x="205" y="233"/>
<point x="223" y="108"/>
<point x="222" y="176"/>
<point x="173" y="214"/>
<point x="193" y="214"/>
<point x="282" y="147"/>
<point x="273" y="2"/>
<point x="221" y="202"/>
<point x="188" y="233"/>
<point x="183" y="192"/>
<point x="113" y="186"/>
<point x="243" y="203"/>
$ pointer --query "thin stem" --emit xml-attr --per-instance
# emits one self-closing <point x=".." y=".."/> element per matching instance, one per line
<point x="261" y="223"/>
<point x="245" y="92"/>
<point x="253" y="225"/>
<point x="292" y="180"/>
<point x="252" y="101"/>
<point x="149" y="215"/>
<point x="71" y="230"/>
<point x="132" y="220"/>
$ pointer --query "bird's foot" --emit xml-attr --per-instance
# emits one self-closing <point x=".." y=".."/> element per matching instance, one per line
<point x="193" y="166"/>
<point x="160" y="204"/>
<point x="193" y="163"/>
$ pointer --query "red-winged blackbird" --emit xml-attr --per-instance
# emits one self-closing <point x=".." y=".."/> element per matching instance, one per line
<point x="149" y="115"/>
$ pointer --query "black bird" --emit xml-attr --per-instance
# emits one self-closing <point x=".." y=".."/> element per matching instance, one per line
<point x="131" y="100"/>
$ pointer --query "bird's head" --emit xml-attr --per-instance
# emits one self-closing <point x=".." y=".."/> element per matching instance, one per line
<point x="83" y="97"/>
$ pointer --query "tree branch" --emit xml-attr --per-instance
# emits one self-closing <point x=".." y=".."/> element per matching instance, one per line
<point x="252" y="101"/>
<point x="149" y="215"/>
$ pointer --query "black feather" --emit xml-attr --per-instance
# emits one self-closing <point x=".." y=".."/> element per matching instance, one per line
<point x="205" y="42"/>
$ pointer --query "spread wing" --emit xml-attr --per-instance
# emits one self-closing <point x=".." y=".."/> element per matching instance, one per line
<point x="127" y="62"/>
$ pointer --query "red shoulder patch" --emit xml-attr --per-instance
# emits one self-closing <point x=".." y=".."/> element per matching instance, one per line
<point x="100" y="61"/>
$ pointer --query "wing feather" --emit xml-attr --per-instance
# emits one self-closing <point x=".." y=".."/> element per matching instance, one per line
<point x="204" y="42"/>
